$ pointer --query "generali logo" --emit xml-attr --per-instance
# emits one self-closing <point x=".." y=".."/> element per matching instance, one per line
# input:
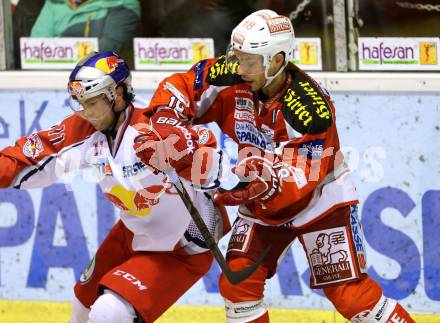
<point x="329" y="259"/>
<point x="240" y="235"/>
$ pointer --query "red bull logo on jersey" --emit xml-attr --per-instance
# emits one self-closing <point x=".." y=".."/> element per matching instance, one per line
<point x="137" y="203"/>
<point x="148" y="197"/>
<point x="33" y="146"/>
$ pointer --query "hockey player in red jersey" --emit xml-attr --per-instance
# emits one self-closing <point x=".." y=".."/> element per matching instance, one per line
<point x="293" y="181"/>
<point x="154" y="253"/>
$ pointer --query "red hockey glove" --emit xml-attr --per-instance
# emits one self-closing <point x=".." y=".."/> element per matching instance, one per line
<point x="166" y="143"/>
<point x="258" y="183"/>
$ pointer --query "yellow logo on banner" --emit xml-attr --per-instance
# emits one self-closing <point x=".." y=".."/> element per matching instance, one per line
<point x="84" y="48"/>
<point x="308" y="53"/>
<point x="200" y="51"/>
<point x="428" y="53"/>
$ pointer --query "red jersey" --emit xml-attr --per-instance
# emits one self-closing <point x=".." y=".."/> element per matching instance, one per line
<point x="296" y="127"/>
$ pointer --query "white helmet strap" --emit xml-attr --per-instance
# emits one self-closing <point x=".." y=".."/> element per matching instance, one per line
<point x="269" y="79"/>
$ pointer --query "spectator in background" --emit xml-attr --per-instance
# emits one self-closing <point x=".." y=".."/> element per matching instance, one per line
<point x="194" y="18"/>
<point x="25" y="13"/>
<point x="388" y="18"/>
<point x="13" y="5"/>
<point x="114" y="22"/>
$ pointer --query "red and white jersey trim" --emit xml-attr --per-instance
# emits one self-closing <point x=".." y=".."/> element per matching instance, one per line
<point x="327" y="197"/>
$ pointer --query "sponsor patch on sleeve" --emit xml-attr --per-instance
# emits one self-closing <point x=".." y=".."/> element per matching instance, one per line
<point x="203" y="134"/>
<point x="33" y="146"/>
<point x="313" y="149"/>
<point x="221" y="74"/>
<point x="305" y="108"/>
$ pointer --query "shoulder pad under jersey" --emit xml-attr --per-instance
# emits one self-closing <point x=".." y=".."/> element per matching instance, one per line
<point x="219" y="74"/>
<point x="305" y="107"/>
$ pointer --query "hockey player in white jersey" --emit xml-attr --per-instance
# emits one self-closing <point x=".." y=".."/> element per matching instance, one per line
<point x="154" y="253"/>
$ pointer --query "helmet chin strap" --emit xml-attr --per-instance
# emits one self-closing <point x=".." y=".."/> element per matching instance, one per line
<point x="269" y="79"/>
<point x="117" y="114"/>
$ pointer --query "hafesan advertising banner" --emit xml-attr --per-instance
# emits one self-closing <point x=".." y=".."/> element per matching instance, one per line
<point x="170" y="53"/>
<point x="54" y="53"/>
<point x="398" y="53"/>
<point x="308" y="53"/>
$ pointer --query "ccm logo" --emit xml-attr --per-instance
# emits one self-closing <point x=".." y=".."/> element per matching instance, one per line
<point x="130" y="278"/>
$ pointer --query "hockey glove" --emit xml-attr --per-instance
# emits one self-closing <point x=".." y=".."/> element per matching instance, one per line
<point x="258" y="183"/>
<point x="166" y="143"/>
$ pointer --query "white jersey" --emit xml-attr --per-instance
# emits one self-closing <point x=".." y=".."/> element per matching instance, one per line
<point x="150" y="206"/>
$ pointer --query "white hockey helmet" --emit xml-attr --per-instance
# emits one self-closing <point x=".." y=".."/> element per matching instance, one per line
<point x="265" y="33"/>
<point x="97" y="73"/>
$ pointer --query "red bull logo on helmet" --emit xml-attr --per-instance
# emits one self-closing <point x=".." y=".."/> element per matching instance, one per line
<point x="76" y="88"/>
<point x="33" y="146"/>
<point x="108" y="64"/>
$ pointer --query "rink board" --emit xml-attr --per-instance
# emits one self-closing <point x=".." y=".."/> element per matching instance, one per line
<point x="396" y="170"/>
<point x="55" y="312"/>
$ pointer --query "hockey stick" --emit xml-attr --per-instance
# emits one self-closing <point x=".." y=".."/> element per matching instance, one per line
<point x="234" y="277"/>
